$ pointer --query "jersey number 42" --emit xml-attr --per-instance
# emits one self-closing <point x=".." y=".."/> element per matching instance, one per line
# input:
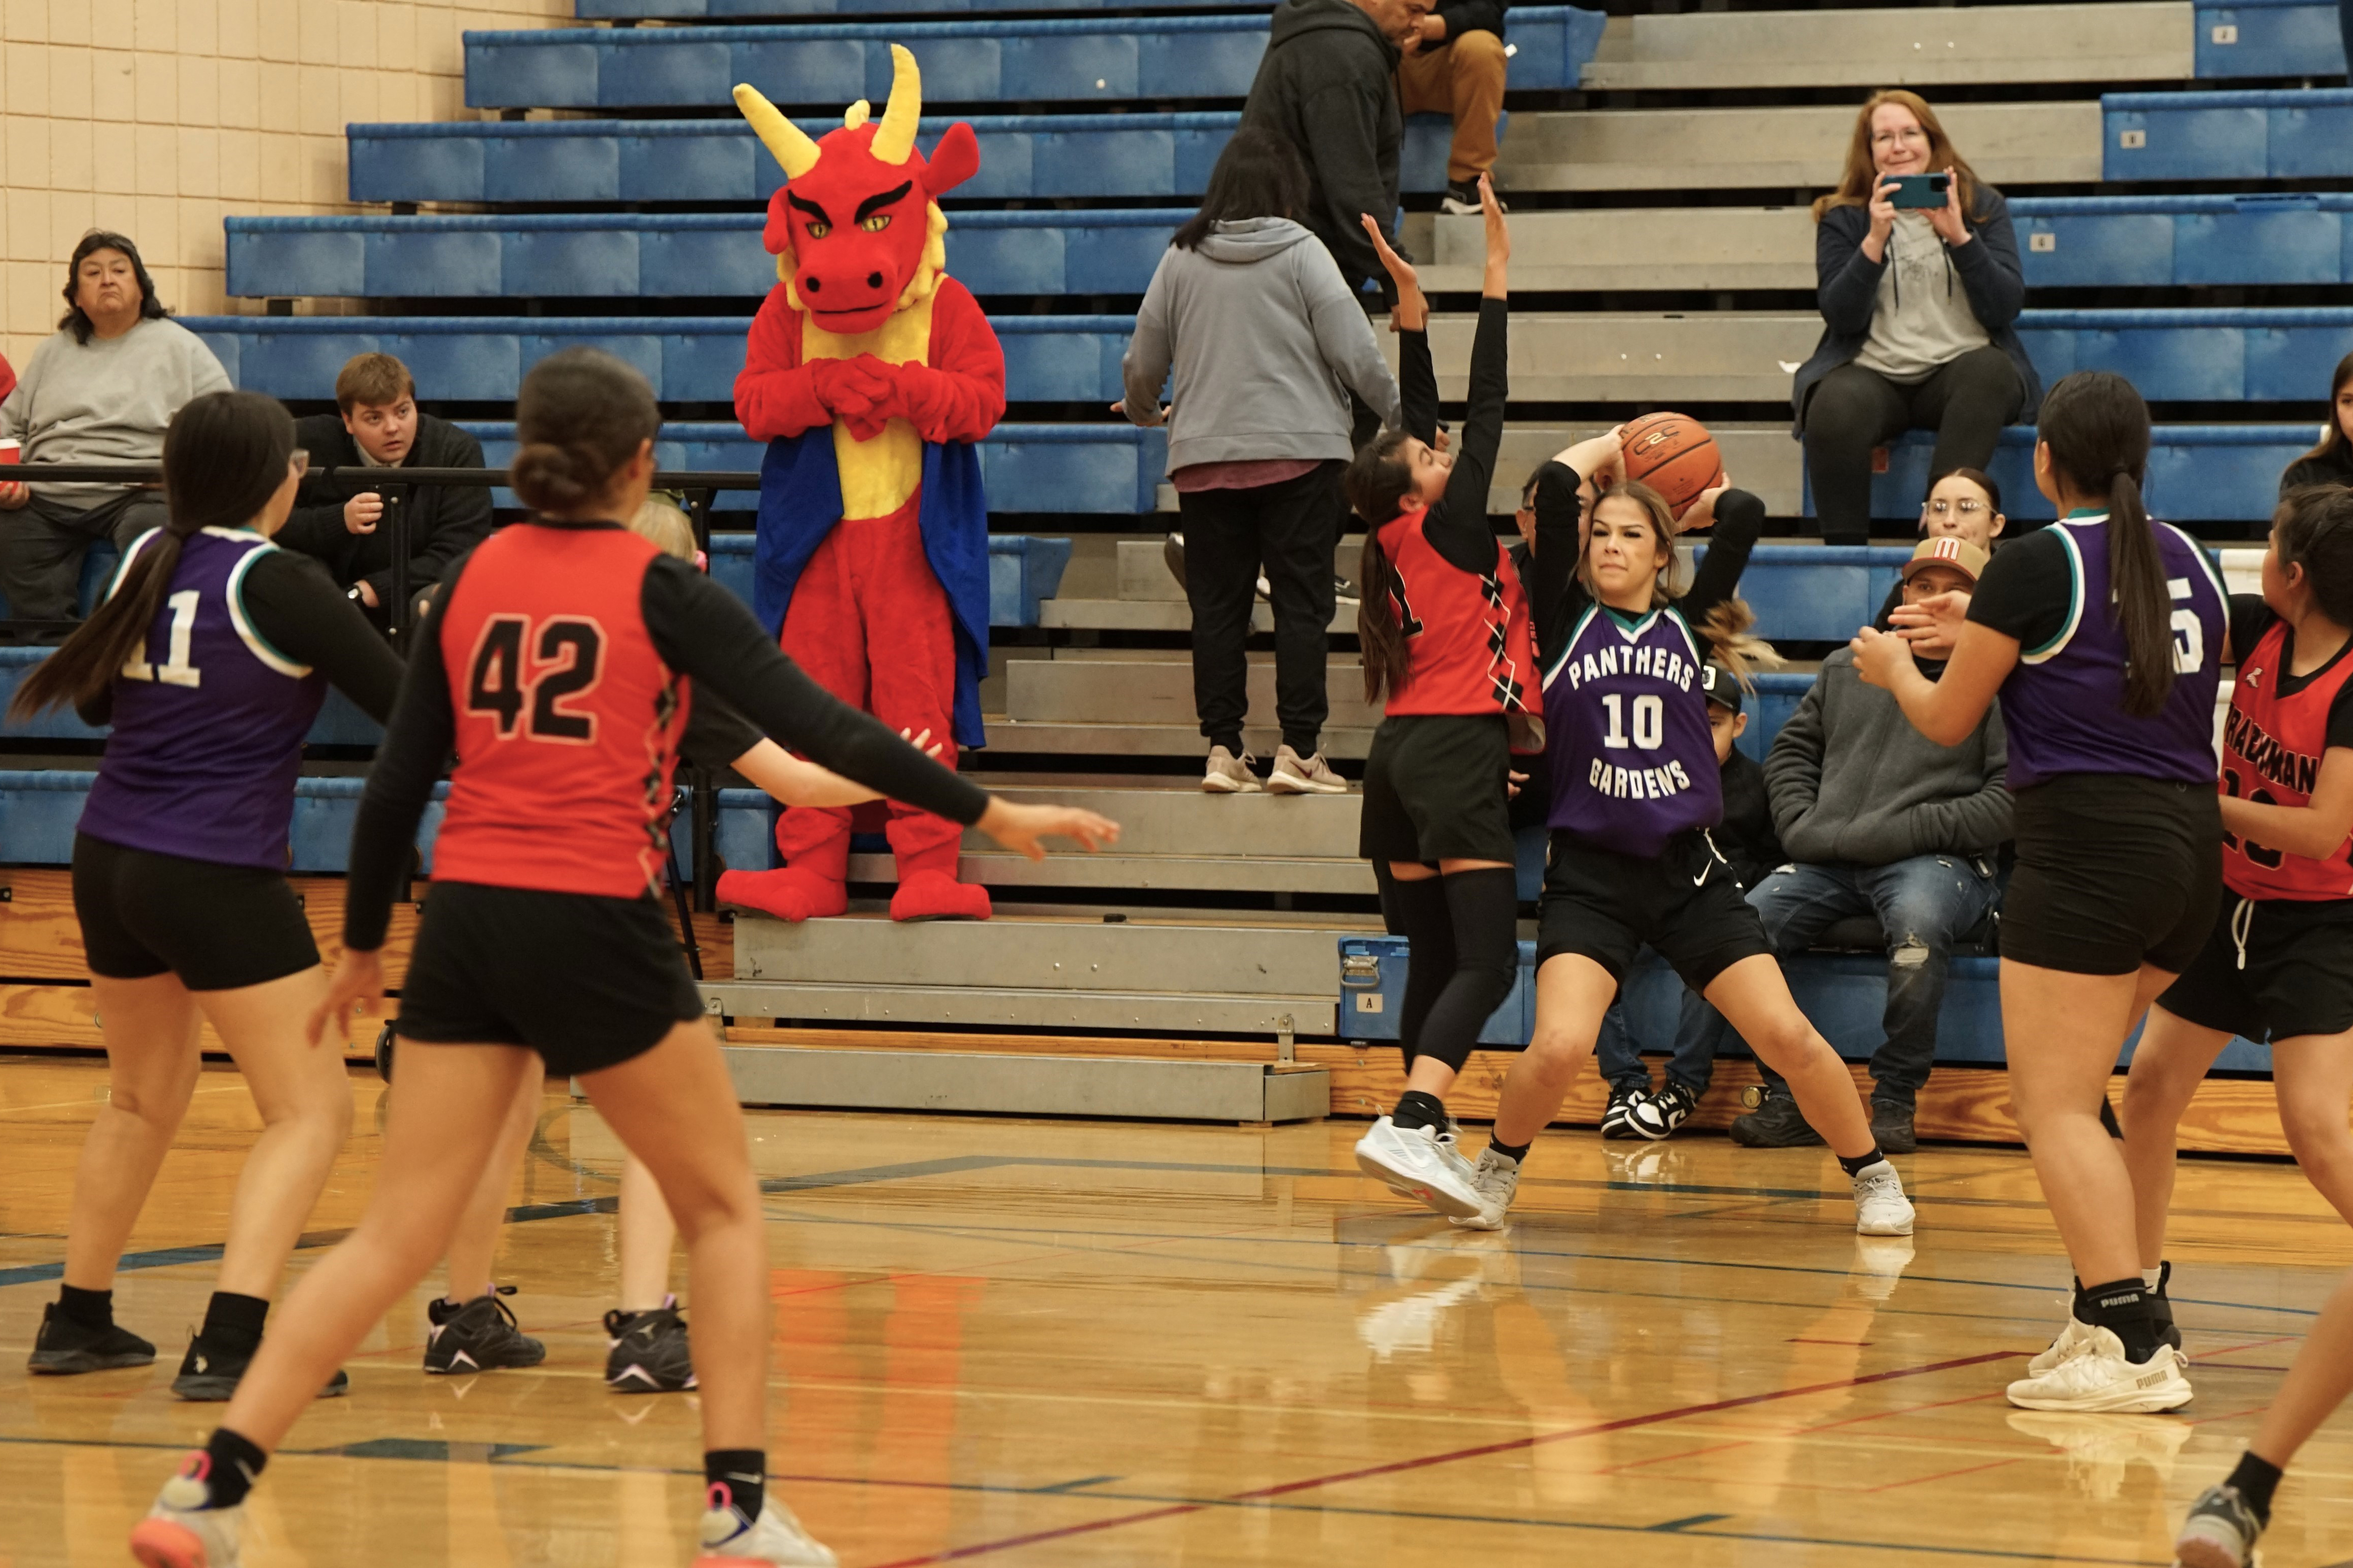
<point x="520" y="668"/>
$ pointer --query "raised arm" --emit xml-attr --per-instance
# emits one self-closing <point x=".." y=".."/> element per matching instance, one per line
<point x="1410" y="320"/>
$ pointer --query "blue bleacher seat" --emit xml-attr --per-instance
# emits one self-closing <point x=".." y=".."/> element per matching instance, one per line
<point x="38" y="810"/>
<point x="1091" y="59"/>
<point x="2258" y="237"/>
<point x="717" y="10"/>
<point x="1135" y="156"/>
<point x="2282" y="135"/>
<point x="666" y="255"/>
<point x="2269" y="38"/>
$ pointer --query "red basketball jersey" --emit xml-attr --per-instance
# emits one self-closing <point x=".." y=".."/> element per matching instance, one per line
<point x="1467" y="637"/>
<point x="2272" y="747"/>
<point x="568" y="720"/>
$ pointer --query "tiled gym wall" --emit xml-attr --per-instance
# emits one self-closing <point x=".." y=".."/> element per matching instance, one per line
<point x="156" y="118"/>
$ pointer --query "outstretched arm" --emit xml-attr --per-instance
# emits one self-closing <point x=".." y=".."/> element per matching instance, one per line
<point x="1948" y="711"/>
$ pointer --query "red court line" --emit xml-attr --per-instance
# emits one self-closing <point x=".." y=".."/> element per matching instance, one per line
<point x="1479" y="1451"/>
<point x="1939" y="1475"/>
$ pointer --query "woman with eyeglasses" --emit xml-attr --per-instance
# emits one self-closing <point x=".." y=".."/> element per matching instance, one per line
<point x="210" y="657"/>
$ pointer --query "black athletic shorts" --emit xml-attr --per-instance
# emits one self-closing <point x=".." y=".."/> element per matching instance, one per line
<point x="2271" y="969"/>
<point x="1436" y="788"/>
<point x="2114" y="871"/>
<point x="218" y="928"/>
<point x="1602" y="905"/>
<point x="587" y="982"/>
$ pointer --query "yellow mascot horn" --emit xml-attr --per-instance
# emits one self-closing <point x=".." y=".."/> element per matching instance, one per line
<point x="895" y="139"/>
<point x="779" y="135"/>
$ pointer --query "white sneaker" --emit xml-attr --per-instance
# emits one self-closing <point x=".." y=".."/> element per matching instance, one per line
<point x="180" y="1531"/>
<point x="773" y="1538"/>
<point x="1880" y="1206"/>
<point x="1423" y="1163"/>
<point x="1311" y="775"/>
<point x="1879" y="1265"/>
<point x="2071" y="1343"/>
<point x="2098" y="1380"/>
<point x="1228" y="774"/>
<point x="2220" y="1533"/>
<point x="1495" y="1178"/>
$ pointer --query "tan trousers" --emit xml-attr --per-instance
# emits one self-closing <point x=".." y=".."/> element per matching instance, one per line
<point x="1463" y="78"/>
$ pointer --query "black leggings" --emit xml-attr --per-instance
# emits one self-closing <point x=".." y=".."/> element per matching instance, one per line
<point x="1289" y="530"/>
<point x="1465" y="958"/>
<point x="1852" y="410"/>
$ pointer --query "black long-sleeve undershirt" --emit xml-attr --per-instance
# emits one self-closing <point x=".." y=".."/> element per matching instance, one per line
<point x="1456" y="526"/>
<point x="1560" y="597"/>
<point x="294" y="607"/>
<point x="700" y="630"/>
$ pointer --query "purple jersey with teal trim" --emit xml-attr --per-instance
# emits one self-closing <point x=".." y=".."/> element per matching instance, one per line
<point x="208" y="721"/>
<point x="1632" y="761"/>
<point x="2064" y="706"/>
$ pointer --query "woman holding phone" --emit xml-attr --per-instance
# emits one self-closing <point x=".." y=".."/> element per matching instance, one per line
<point x="1919" y="289"/>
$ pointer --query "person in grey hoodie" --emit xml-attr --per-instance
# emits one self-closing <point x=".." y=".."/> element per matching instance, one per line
<point x="1879" y="820"/>
<point x="1267" y="344"/>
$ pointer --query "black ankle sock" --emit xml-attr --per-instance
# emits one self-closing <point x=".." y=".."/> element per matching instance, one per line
<point x="231" y="1466"/>
<point x="233" y="1322"/>
<point x="742" y="1474"/>
<point x="1508" y="1152"/>
<point x="1855" y="1165"/>
<point x="2123" y="1309"/>
<point x="2255" y="1479"/>
<point x="90" y="1308"/>
<point x="1232" y="742"/>
<point x="1303" y="744"/>
<point x="1415" y="1109"/>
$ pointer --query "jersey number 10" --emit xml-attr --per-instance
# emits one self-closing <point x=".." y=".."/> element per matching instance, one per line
<point x="1650" y="723"/>
<point x="568" y="657"/>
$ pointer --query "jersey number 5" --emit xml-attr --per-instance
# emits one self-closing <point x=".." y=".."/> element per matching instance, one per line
<point x="2188" y="631"/>
<point x="567" y="657"/>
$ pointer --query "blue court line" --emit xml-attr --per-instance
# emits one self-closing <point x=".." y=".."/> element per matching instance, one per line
<point x="400" y="1450"/>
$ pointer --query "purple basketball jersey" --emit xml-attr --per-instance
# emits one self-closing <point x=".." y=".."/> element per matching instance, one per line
<point x="208" y="721"/>
<point x="1632" y="761"/>
<point x="2063" y="705"/>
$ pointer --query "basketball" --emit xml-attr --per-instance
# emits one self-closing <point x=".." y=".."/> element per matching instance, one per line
<point x="1675" y="455"/>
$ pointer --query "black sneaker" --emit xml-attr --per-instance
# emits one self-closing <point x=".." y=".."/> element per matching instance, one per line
<point x="649" y="1353"/>
<point x="2220" y="1532"/>
<point x="1776" y="1123"/>
<point x="479" y="1335"/>
<point x="1892" y="1124"/>
<point x="1172" y="553"/>
<point x="65" y="1347"/>
<point x="210" y="1376"/>
<point x="1659" y="1114"/>
<point x="2160" y="1306"/>
<point x="1461" y="200"/>
<point x="1617" y="1119"/>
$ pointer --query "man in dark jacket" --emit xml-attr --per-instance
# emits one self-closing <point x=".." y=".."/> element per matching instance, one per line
<point x="1327" y="87"/>
<point x="1879" y="820"/>
<point x="1455" y="67"/>
<point x="348" y="522"/>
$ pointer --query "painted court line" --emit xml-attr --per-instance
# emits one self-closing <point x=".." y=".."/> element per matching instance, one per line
<point x="1426" y="1461"/>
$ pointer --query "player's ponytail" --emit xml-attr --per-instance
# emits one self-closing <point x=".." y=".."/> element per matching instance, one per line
<point x="2313" y="529"/>
<point x="580" y="417"/>
<point x="1727" y="630"/>
<point x="224" y="455"/>
<point x="2096" y="428"/>
<point x="1377" y="483"/>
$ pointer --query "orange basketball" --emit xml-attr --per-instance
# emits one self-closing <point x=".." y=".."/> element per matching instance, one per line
<point x="1675" y="455"/>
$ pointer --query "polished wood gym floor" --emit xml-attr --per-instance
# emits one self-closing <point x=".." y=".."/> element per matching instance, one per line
<point x="1066" y="1343"/>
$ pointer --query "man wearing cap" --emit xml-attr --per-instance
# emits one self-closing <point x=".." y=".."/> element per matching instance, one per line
<point x="1879" y="820"/>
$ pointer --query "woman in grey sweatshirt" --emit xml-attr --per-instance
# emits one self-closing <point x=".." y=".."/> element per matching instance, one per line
<point x="1267" y="346"/>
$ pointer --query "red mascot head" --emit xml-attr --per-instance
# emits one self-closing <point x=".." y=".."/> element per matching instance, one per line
<point x="856" y="229"/>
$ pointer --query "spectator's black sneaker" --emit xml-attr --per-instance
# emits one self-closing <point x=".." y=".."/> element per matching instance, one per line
<point x="2160" y="1306"/>
<point x="1892" y="1124"/>
<point x="479" y="1335"/>
<point x="1345" y="591"/>
<point x="1776" y="1123"/>
<point x="2220" y="1533"/>
<point x="1659" y="1114"/>
<point x="649" y="1353"/>
<point x="1462" y="200"/>
<point x="210" y="1376"/>
<point x="1617" y="1120"/>
<point x="65" y="1347"/>
<point x="1172" y="553"/>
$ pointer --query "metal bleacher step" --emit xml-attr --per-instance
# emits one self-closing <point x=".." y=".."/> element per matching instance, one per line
<point x="1215" y="972"/>
<point x="2119" y="40"/>
<point x="1152" y="691"/>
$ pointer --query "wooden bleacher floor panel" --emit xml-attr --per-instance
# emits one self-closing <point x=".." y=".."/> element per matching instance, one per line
<point x="1069" y="1345"/>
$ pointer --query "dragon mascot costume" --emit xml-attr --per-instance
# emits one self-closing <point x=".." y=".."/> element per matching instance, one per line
<point x="871" y="374"/>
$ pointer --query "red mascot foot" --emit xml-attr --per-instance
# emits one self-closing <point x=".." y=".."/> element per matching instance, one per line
<point x="791" y="894"/>
<point x="936" y="896"/>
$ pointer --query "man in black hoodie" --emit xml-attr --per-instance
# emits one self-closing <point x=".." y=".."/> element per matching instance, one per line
<point x="346" y="523"/>
<point x="1328" y="86"/>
